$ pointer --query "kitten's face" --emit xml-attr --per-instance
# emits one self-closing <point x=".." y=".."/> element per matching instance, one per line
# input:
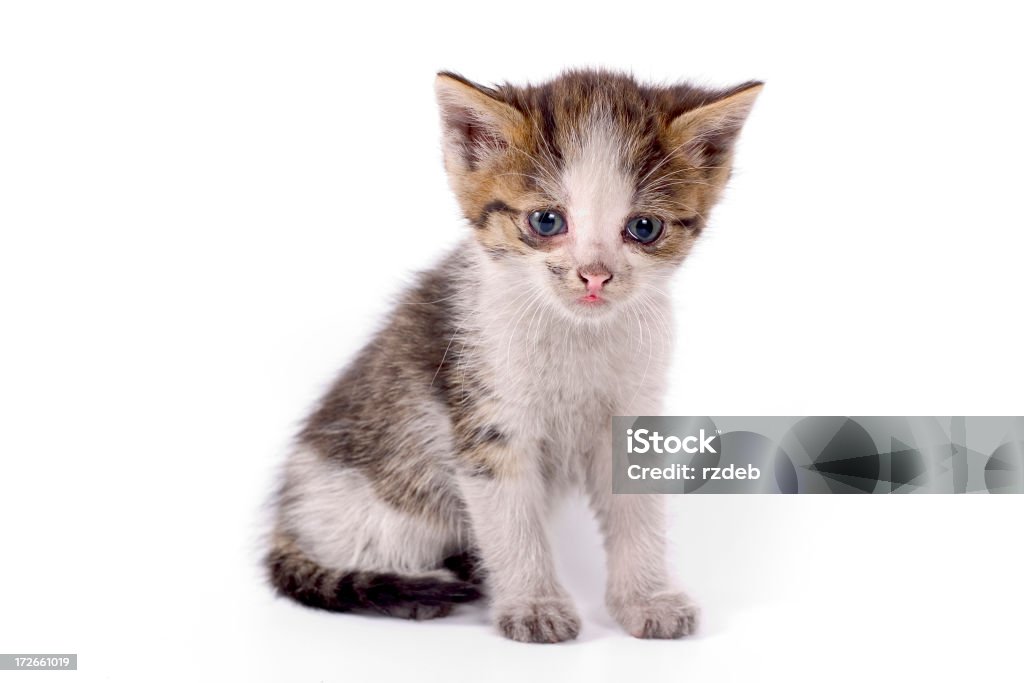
<point x="590" y="189"/>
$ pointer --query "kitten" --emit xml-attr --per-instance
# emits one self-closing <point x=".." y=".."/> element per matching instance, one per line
<point x="424" y="477"/>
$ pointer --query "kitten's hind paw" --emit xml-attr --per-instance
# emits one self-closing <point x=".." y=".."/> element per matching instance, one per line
<point x="420" y="612"/>
<point x="662" y="615"/>
<point x="547" y="620"/>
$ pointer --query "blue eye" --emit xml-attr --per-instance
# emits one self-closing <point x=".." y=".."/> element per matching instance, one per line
<point x="547" y="222"/>
<point x="644" y="229"/>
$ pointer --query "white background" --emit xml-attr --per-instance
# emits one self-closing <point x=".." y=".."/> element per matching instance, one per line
<point x="206" y="207"/>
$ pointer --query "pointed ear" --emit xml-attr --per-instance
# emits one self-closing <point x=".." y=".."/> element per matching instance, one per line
<point x="707" y="134"/>
<point x="475" y="123"/>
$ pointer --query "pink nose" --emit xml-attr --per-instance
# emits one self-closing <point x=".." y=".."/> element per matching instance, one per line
<point x="595" y="277"/>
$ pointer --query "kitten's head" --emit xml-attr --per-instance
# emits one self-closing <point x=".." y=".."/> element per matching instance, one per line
<point x="591" y="187"/>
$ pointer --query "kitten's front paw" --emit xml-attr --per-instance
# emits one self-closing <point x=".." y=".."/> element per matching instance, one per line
<point x="542" y="620"/>
<point x="662" y="615"/>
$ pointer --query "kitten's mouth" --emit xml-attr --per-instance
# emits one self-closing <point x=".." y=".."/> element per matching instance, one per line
<point x="592" y="300"/>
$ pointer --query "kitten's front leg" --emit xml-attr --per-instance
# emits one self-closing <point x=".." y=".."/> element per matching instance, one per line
<point x="505" y="497"/>
<point x="641" y="595"/>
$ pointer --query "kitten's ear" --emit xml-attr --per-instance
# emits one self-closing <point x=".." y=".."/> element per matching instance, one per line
<point x="707" y="134"/>
<point x="474" y="122"/>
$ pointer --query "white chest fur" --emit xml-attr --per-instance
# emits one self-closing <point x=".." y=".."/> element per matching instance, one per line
<point x="561" y="379"/>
